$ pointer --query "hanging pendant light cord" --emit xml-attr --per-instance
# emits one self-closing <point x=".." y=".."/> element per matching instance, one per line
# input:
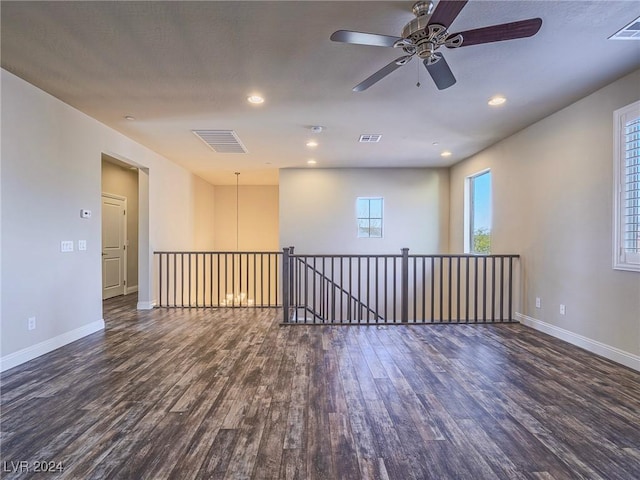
<point x="237" y="210"/>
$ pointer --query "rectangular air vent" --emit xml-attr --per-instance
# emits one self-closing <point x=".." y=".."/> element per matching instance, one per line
<point x="370" y="138"/>
<point x="630" y="32"/>
<point x="221" y="141"/>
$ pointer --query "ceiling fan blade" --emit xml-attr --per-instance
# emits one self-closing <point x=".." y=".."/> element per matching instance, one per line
<point x="440" y="72"/>
<point x="380" y="74"/>
<point x="498" y="33"/>
<point x="446" y="12"/>
<point x="362" y="38"/>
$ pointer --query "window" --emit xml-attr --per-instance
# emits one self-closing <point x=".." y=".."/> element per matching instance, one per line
<point x="478" y="213"/>
<point x="627" y="188"/>
<point x="369" y="215"/>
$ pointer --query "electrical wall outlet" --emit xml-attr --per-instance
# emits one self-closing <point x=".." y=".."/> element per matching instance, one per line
<point x="66" y="246"/>
<point x="538" y="302"/>
<point x="31" y="323"/>
<point x="82" y="244"/>
<point x="563" y="309"/>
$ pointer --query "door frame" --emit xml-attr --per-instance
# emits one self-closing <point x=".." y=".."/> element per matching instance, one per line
<point x="145" y="251"/>
<point x="124" y="231"/>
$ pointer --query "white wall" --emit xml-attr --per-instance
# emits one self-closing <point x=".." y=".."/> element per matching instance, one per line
<point x="51" y="168"/>
<point x="553" y="203"/>
<point x="318" y="206"/>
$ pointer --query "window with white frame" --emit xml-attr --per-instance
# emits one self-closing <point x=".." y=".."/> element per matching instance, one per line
<point x="626" y="159"/>
<point x="369" y="216"/>
<point x="477" y="213"/>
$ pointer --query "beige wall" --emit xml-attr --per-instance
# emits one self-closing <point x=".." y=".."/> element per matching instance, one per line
<point x="317" y="209"/>
<point x="553" y="201"/>
<point x="202" y="205"/>
<point x="258" y="218"/>
<point x="124" y="182"/>
<point x="51" y="169"/>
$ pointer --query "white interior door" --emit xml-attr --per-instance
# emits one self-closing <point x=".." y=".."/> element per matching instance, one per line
<point x="113" y="246"/>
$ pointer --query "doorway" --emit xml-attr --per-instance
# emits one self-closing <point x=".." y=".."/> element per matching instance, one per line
<point x="120" y="219"/>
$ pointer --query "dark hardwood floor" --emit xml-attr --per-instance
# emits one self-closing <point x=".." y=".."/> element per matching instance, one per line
<point x="201" y="393"/>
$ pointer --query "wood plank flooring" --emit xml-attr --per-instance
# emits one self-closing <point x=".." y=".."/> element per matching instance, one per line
<point x="231" y="394"/>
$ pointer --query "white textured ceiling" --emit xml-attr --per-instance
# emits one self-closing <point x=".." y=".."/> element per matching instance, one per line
<point x="182" y="66"/>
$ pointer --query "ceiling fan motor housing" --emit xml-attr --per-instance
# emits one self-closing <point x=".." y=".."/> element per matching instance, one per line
<point x="424" y="39"/>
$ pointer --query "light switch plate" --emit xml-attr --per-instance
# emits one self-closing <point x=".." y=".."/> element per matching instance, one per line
<point x="66" y="246"/>
<point x="82" y="244"/>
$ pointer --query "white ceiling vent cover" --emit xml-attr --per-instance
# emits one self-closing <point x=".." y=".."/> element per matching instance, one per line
<point x="370" y="138"/>
<point x="630" y="32"/>
<point x="221" y="141"/>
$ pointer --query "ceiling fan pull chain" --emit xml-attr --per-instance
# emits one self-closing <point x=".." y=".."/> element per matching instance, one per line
<point x="418" y="83"/>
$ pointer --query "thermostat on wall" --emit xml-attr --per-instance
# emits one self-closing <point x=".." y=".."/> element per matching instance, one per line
<point x="85" y="213"/>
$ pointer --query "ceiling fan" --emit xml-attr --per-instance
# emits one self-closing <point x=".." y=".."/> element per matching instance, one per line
<point x="429" y="31"/>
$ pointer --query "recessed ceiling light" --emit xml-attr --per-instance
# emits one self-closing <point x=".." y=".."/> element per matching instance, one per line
<point x="255" y="99"/>
<point x="496" y="100"/>
<point x="446" y="153"/>
<point x="312" y="143"/>
<point x="434" y="143"/>
<point x="129" y="117"/>
<point x="311" y="162"/>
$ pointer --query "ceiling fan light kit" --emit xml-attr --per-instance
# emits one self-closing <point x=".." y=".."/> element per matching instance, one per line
<point x="424" y="35"/>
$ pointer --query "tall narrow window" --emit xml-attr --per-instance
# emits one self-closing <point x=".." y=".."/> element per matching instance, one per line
<point x="478" y="213"/>
<point x="627" y="188"/>
<point x="369" y="216"/>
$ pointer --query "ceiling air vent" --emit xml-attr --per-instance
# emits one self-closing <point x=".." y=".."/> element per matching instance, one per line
<point x="221" y="141"/>
<point x="630" y="32"/>
<point x="370" y="138"/>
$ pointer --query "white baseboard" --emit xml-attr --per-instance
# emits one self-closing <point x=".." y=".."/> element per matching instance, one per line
<point x="34" y="351"/>
<point x="146" y="305"/>
<point x="612" y="353"/>
<point x="131" y="289"/>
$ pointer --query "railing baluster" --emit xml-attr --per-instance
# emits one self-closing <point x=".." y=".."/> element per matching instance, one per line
<point x="433" y="289"/>
<point x="449" y="269"/>
<point x="458" y="289"/>
<point x="441" y="289"/>
<point x="313" y="295"/>
<point x="493" y="289"/>
<point x="510" y="313"/>
<point x="484" y="289"/>
<point x="285" y="284"/>
<point x="415" y="288"/>
<point x="502" y="289"/>
<point x="395" y="295"/>
<point x="377" y="292"/>
<point x="197" y="279"/>
<point x="269" y="279"/>
<point x="160" y="280"/>
<point x="423" y="292"/>
<point x="467" y="292"/>
<point x="333" y="292"/>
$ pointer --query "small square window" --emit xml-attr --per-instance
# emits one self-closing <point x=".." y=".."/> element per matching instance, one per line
<point x="369" y="217"/>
